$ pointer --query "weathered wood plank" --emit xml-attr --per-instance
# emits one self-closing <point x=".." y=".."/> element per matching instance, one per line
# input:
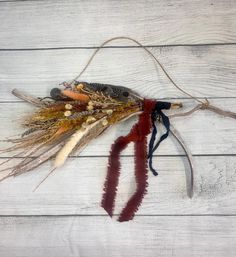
<point x="201" y="70"/>
<point x="100" y="236"/>
<point x="77" y="188"/>
<point x="218" y="137"/>
<point x="34" y="24"/>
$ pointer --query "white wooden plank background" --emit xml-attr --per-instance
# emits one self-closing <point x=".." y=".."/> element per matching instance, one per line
<point x="34" y="24"/>
<point x="43" y="43"/>
<point x="97" y="236"/>
<point x="77" y="188"/>
<point x="202" y="70"/>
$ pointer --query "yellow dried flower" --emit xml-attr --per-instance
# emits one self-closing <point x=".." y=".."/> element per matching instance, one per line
<point x="80" y="86"/>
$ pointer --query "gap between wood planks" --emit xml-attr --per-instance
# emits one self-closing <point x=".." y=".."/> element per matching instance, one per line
<point x="127" y="156"/>
<point x="162" y="99"/>
<point x="13" y="1"/>
<point x="116" y="215"/>
<point x="111" y="47"/>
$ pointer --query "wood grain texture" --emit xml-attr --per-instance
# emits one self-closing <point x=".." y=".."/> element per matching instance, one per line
<point x="218" y="137"/>
<point x="100" y="236"/>
<point x="76" y="188"/>
<point x="43" y="43"/>
<point x="201" y="70"/>
<point x="36" y="24"/>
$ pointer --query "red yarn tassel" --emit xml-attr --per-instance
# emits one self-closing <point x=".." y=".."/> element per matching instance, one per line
<point x="113" y="173"/>
<point x="138" y="134"/>
<point x="141" y="180"/>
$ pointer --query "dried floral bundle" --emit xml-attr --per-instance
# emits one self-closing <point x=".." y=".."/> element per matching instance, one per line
<point x="72" y="116"/>
<point x="76" y="114"/>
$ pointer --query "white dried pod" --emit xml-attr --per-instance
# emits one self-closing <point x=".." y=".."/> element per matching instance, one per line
<point x="67" y="113"/>
<point x="90" y="119"/>
<point x="109" y="112"/>
<point x="90" y="107"/>
<point x="84" y="125"/>
<point x="68" y="106"/>
<point x="104" y="122"/>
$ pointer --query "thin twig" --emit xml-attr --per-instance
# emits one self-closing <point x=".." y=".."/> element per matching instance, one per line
<point x="44" y="179"/>
<point x="189" y="175"/>
<point x="196" y="108"/>
<point x="27" y="98"/>
<point x="205" y="106"/>
<point x="220" y="111"/>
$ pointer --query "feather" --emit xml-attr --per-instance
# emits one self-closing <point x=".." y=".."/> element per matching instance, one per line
<point x="96" y="131"/>
<point x="93" y="133"/>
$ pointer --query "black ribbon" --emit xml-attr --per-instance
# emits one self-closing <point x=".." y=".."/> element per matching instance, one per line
<point x="157" y="112"/>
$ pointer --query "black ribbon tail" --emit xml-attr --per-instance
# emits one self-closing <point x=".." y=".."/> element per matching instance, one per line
<point x="166" y="122"/>
<point x="151" y="145"/>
